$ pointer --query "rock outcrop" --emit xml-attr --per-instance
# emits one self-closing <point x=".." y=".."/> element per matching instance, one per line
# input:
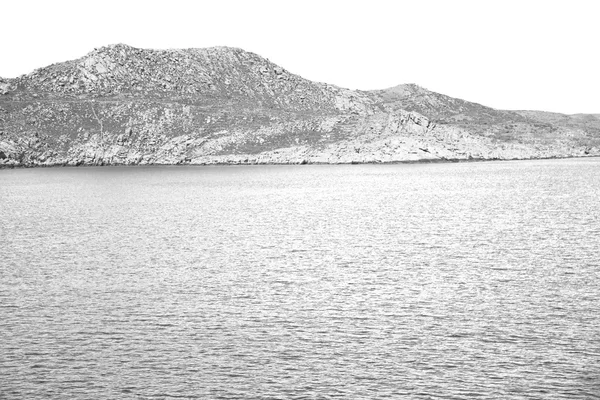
<point x="122" y="105"/>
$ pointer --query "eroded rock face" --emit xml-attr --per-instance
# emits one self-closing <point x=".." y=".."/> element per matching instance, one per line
<point x="122" y="105"/>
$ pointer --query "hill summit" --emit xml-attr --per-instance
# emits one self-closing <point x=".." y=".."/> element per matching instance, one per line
<point x="123" y="105"/>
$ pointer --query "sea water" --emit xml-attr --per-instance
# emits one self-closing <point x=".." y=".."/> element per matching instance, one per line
<point x="458" y="281"/>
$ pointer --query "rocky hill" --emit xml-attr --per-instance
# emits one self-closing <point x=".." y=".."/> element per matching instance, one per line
<point x="123" y="105"/>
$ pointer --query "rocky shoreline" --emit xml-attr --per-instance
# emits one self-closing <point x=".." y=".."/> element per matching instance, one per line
<point x="302" y="163"/>
<point x="119" y="105"/>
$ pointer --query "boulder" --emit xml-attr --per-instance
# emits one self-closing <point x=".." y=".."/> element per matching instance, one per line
<point x="4" y="87"/>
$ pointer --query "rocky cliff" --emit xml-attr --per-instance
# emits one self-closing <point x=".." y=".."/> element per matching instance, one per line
<point x="123" y="105"/>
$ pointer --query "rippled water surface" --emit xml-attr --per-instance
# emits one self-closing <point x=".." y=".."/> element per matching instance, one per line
<point x="476" y="280"/>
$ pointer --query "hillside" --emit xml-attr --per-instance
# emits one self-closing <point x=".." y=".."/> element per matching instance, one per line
<point x="123" y="105"/>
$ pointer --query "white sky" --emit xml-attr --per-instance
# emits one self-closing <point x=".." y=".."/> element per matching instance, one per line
<point x="526" y="54"/>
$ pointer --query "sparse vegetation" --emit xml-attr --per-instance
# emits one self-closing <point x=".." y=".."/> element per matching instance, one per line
<point x="122" y="105"/>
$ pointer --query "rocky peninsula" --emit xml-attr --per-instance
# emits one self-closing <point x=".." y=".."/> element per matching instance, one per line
<point x="120" y="105"/>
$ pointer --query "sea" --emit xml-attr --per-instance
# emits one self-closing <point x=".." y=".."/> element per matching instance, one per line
<point x="408" y="281"/>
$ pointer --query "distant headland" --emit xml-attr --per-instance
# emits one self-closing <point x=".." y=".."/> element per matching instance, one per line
<point x="120" y="105"/>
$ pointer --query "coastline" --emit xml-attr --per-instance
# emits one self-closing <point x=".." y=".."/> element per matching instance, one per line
<point x="232" y="164"/>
